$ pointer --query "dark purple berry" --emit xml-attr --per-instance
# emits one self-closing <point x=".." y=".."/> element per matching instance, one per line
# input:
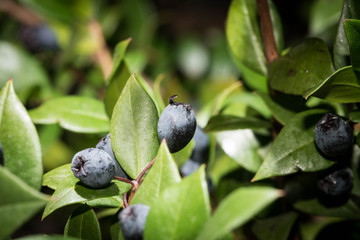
<point x="177" y="124"/>
<point x="333" y="136"/>
<point x="93" y="167"/>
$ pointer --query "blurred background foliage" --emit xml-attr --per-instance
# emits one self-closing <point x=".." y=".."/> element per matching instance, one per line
<point x="182" y="44"/>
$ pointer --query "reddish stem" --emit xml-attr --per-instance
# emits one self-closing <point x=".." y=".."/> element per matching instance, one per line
<point x="138" y="180"/>
<point x="267" y="32"/>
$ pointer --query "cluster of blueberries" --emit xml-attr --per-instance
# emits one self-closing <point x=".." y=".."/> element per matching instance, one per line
<point x="334" y="138"/>
<point x="97" y="167"/>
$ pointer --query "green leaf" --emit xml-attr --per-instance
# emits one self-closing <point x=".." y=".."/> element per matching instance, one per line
<point x="181" y="209"/>
<point x="236" y="209"/>
<point x="341" y="87"/>
<point x="227" y="122"/>
<point x="355" y="116"/>
<point x="74" y="113"/>
<point x="275" y="228"/>
<point x="351" y="9"/>
<point x="352" y="30"/>
<point x="324" y="15"/>
<point x="306" y="65"/>
<point x="242" y="146"/>
<point x="294" y="148"/>
<point x="55" y="177"/>
<point x="184" y="154"/>
<point x="161" y="175"/>
<point x="243" y="35"/>
<point x="70" y="191"/>
<point x="118" y="76"/>
<point x="349" y="210"/>
<point x="18" y="202"/>
<point x="19" y="139"/>
<point x="26" y="71"/>
<point x="134" y="128"/>
<point x="283" y="107"/>
<point x="83" y="224"/>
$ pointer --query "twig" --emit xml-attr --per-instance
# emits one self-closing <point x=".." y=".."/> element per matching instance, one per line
<point x="20" y="13"/>
<point x="102" y="54"/>
<point x="267" y="31"/>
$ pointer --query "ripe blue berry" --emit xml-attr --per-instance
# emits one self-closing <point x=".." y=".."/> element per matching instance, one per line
<point x="333" y="136"/>
<point x="105" y="144"/>
<point x="94" y="167"/>
<point x="200" y="152"/>
<point x="132" y="221"/>
<point x="189" y="167"/>
<point x="337" y="183"/>
<point x="177" y="124"/>
<point x="39" y="38"/>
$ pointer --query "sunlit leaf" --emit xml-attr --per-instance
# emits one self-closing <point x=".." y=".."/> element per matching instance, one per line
<point x="19" y="139"/>
<point x="134" y="128"/>
<point x="74" y="113"/>
<point x="238" y="208"/>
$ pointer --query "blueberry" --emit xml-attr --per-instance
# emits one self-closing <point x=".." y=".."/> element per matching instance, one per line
<point x="189" y="167"/>
<point x="132" y="221"/>
<point x="176" y="125"/>
<point x="333" y="136"/>
<point x="94" y="167"/>
<point x="337" y="183"/>
<point x="200" y="152"/>
<point x="105" y="144"/>
<point x="39" y="38"/>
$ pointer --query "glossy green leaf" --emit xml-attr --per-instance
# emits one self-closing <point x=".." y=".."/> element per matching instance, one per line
<point x="324" y="15"/>
<point x="242" y="146"/>
<point x="306" y="65"/>
<point x="161" y="175"/>
<point x="26" y="71"/>
<point x="341" y="87"/>
<point x="352" y="30"/>
<point x="275" y="228"/>
<point x="83" y="224"/>
<point x="19" y="139"/>
<point x="236" y="209"/>
<point x="351" y="10"/>
<point x="227" y="122"/>
<point x="74" y="113"/>
<point x="118" y="77"/>
<point x="184" y="154"/>
<point x="349" y="210"/>
<point x="283" y="107"/>
<point x="55" y="177"/>
<point x="18" y="202"/>
<point x="134" y="128"/>
<point x="181" y="210"/>
<point x="70" y="191"/>
<point x="243" y="35"/>
<point x="294" y="148"/>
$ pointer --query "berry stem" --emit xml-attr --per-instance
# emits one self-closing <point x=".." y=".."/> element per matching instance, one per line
<point x="125" y="180"/>
<point x="171" y="99"/>
<point x="138" y="180"/>
<point x="125" y="202"/>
